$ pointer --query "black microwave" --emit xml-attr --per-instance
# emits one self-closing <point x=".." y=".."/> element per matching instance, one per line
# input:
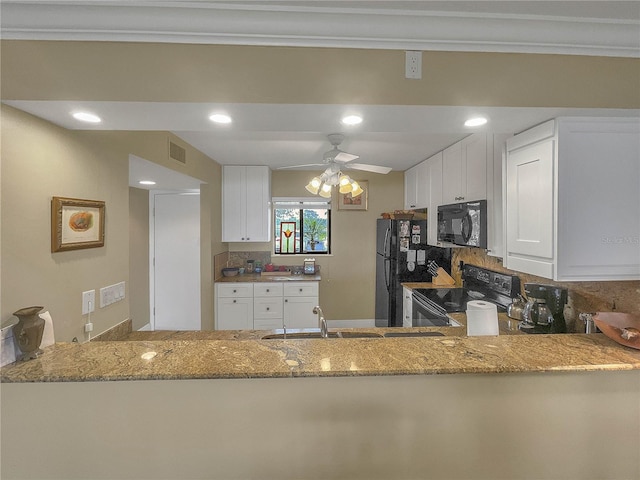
<point x="463" y="224"/>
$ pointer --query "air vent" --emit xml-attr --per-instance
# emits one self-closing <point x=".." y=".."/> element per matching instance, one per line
<point x="177" y="153"/>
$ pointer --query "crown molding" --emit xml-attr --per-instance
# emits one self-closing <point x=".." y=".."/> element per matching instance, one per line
<point x="275" y="24"/>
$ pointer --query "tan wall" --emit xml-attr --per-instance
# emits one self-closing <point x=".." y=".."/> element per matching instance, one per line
<point x="41" y="160"/>
<point x="235" y="73"/>
<point x="348" y="286"/>
<point x="571" y="425"/>
<point x="139" y="257"/>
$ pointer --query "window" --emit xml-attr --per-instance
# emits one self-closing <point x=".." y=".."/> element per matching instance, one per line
<point x="301" y="225"/>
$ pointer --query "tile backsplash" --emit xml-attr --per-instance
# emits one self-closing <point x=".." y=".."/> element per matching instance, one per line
<point x="620" y="296"/>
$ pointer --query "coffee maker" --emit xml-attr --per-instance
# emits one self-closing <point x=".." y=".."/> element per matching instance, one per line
<point x="544" y="310"/>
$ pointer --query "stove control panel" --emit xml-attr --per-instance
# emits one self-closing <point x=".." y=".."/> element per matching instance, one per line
<point x="501" y="283"/>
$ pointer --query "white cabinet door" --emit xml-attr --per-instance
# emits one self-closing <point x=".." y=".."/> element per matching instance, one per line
<point x="434" y="190"/>
<point x="246" y="204"/>
<point x="299" y="300"/>
<point x="258" y="209"/>
<point x="234" y="306"/>
<point x="234" y="313"/>
<point x="411" y="188"/>
<point x="234" y="204"/>
<point x="474" y="168"/>
<point x="452" y="174"/>
<point x="407" y="307"/>
<point x="464" y="170"/>
<point x="530" y="209"/>
<point x="298" y="312"/>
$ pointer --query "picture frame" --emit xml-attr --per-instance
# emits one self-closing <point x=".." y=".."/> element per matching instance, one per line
<point x="76" y="224"/>
<point x="346" y="202"/>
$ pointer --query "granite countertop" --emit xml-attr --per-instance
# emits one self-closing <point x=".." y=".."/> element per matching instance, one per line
<point x="243" y="354"/>
<point x="257" y="277"/>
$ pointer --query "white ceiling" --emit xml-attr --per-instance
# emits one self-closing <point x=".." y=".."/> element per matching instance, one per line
<point x="285" y="135"/>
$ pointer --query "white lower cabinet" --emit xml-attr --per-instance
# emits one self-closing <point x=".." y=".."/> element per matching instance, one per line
<point x="234" y="306"/>
<point x="299" y="300"/>
<point x="407" y="307"/>
<point x="266" y="305"/>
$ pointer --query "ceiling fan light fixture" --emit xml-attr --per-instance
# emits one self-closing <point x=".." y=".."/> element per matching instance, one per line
<point x="314" y="185"/>
<point x="352" y="120"/>
<point x="325" y="191"/>
<point x="345" y="183"/>
<point x="356" y="189"/>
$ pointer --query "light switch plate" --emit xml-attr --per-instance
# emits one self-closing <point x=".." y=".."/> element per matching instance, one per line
<point x="88" y="301"/>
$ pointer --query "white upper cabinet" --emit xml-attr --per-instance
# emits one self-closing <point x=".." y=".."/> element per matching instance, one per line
<point x="464" y="170"/>
<point x="416" y="193"/>
<point x="572" y="201"/>
<point x="246" y="204"/>
<point x="434" y="190"/>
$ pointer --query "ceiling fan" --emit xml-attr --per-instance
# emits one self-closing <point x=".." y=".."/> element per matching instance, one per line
<point x="332" y="176"/>
<point x="337" y="156"/>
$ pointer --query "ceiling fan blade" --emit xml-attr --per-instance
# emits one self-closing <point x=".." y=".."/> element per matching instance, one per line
<point x="302" y="166"/>
<point x="345" y="157"/>
<point x="370" y="168"/>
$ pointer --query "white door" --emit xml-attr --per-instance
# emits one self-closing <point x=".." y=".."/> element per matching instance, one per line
<point x="177" y="261"/>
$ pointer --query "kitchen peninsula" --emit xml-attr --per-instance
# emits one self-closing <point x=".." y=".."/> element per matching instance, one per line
<point x="413" y="407"/>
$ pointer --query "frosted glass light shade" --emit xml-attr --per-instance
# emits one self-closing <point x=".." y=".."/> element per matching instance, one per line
<point x="314" y="185"/>
<point x="325" y="191"/>
<point x="356" y="190"/>
<point x="345" y="184"/>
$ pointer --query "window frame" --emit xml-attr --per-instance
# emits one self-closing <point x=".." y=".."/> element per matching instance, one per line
<point x="301" y="204"/>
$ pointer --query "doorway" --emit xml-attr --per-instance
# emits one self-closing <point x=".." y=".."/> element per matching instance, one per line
<point x="175" y="260"/>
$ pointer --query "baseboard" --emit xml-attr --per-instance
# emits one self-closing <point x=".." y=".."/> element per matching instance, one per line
<point x="355" y="323"/>
<point x="145" y="328"/>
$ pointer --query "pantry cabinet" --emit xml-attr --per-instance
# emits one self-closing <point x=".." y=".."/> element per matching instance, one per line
<point x="572" y="202"/>
<point x="266" y="305"/>
<point x="246" y="204"/>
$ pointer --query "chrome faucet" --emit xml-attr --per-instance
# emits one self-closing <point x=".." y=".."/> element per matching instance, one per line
<point x="322" y="322"/>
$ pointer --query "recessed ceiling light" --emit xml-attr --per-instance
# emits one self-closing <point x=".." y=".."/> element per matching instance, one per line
<point x="86" y="117"/>
<point x="352" y="120"/>
<point x="475" y="122"/>
<point x="147" y="182"/>
<point x="220" y="118"/>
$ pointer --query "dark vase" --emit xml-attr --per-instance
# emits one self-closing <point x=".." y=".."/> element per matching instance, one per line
<point x="28" y="332"/>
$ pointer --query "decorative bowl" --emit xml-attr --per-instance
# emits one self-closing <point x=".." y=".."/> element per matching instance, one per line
<point x="624" y="328"/>
<point x="230" y="271"/>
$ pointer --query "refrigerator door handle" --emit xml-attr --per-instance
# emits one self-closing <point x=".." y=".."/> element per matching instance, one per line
<point x="385" y="250"/>
<point x="387" y="273"/>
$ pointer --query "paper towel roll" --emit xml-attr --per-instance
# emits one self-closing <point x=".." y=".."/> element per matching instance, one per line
<point x="482" y="318"/>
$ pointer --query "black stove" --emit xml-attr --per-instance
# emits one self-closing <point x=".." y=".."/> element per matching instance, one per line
<point x="479" y="284"/>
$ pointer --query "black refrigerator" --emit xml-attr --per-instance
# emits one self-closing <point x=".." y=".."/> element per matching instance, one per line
<point x="402" y="255"/>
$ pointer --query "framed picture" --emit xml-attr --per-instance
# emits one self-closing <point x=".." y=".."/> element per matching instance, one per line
<point x="347" y="202"/>
<point x="76" y="224"/>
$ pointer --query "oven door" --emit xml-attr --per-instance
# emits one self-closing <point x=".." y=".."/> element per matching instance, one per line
<point x="425" y="313"/>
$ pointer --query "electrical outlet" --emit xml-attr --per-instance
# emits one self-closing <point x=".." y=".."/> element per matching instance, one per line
<point x="413" y="64"/>
<point x="88" y="301"/>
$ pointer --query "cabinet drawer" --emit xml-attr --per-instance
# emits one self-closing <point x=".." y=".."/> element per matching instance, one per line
<point x="267" y="308"/>
<point x="267" y="289"/>
<point x="235" y="290"/>
<point x="301" y="289"/>
<point x="267" y="324"/>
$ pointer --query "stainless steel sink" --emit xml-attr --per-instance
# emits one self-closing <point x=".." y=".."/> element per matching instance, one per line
<point x="414" y="334"/>
<point x="315" y="333"/>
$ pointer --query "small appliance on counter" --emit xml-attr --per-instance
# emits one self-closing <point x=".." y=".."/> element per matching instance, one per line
<point x="431" y="306"/>
<point x="309" y="266"/>
<point x="544" y="310"/>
